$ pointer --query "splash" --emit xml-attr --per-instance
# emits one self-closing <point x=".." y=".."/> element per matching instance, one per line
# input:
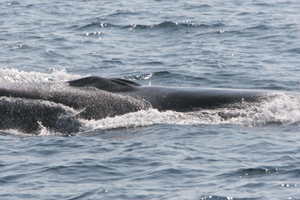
<point x="15" y="75"/>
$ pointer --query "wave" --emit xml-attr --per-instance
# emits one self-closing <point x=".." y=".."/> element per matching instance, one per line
<point x="160" y="26"/>
<point x="93" y="25"/>
<point x="94" y="28"/>
<point x="171" y="25"/>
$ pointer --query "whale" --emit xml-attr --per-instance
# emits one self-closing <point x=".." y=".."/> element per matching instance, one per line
<point x="60" y="106"/>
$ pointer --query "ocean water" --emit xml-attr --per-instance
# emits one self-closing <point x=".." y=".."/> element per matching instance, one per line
<point x="250" y="153"/>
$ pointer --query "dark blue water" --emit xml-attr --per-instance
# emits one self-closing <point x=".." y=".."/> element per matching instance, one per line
<point x="254" y="154"/>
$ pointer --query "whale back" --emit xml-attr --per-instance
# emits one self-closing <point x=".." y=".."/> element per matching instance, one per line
<point x="109" y="85"/>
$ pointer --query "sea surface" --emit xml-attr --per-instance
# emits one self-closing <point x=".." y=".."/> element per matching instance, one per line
<point x="254" y="153"/>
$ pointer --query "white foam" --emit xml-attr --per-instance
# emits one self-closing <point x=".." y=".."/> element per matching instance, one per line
<point x="55" y="75"/>
<point x="43" y="132"/>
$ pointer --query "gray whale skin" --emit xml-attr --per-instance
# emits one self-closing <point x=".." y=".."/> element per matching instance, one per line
<point x="28" y="107"/>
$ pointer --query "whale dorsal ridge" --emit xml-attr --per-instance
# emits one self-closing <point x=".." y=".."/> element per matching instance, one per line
<point x="110" y="85"/>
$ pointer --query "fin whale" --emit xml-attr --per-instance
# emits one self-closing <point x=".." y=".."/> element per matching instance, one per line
<point x="59" y="106"/>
